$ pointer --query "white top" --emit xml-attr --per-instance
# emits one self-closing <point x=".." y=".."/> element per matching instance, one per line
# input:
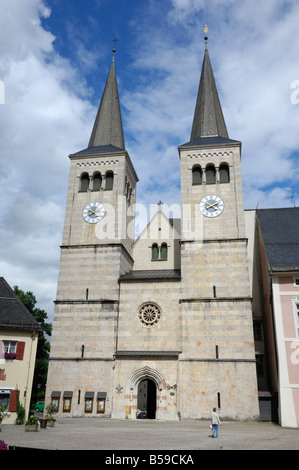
<point x="215" y="418"/>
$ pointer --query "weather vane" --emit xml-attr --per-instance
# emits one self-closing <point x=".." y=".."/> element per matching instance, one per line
<point x="206" y="30"/>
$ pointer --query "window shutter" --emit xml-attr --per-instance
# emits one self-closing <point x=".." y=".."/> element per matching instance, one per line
<point x="84" y="182"/>
<point x="155" y="251"/>
<point x="196" y="175"/>
<point x="13" y="401"/>
<point x="109" y="181"/>
<point x="224" y="173"/>
<point x="164" y="252"/>
<point x="210" y="174"/>
<point x="20" y="350"/>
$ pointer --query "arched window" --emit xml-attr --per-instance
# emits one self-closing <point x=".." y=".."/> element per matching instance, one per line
<point x="164" y="252"/>
<point x="84" y="183"/>
<point x="224" y="173"/>
<point x="155" y="251"/>
<point x="97" y="181"/>
<point x="196" y="175"/>
<point x="109" y="181"/>
<point x="210" y="174"/>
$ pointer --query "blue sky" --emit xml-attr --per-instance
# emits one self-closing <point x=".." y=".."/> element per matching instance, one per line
<point x="54" y="60"/>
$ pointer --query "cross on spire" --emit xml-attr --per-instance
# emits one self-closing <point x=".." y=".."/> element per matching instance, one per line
<point x="114" y="41"/>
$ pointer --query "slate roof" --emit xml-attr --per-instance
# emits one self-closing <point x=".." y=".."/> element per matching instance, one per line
<point x="280" y="232"/>
<point x="98" y="149"/>
<point x="153" y="275"/>
<point x="210" y="141"/>
<point x="13" y="313"/>
<point x="208" y="120"/>
<point x="108" y="128"/>
<point x="107" y="134"/>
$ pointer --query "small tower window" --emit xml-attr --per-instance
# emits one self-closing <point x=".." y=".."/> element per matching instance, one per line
<point x="97" y="182"/>
<point x="109" y="181"/>
<point x="210" y="174"/>
<point x="84" y="183"/>
<point x="164" y="252"/>
<point x="224" y="173"/>
<point x="155" y="252"/>
<point x="196" y="175"/>
<point x="159" y="253"/>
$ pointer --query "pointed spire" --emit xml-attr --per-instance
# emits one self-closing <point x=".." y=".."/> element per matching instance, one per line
<point x="208" y="117"/>
<point x="108" y="129"/>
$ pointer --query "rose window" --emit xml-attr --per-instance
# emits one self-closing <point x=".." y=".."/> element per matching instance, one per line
<point x="149" y="314"/>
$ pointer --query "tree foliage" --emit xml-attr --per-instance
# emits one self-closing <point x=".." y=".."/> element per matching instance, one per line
<point x="43" y="347"/>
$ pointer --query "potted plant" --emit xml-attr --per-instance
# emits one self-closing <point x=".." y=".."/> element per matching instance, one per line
<point x="51" y="421"/>
<point x="32" y="424"/>
<point x="3" y="445"/>
<point x="3" y="413"/>
<point x="50" y="412"/>
<point x="20" y="412"/>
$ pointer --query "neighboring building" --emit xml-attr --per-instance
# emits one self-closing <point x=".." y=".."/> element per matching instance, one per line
<point x="278" y="253"/>
<point x="268" y="404"/>
<point x="166" y="322"/>
<point x="18" y="343"/>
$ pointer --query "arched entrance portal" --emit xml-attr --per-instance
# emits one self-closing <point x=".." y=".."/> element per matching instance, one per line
<point x="147" y="398"/>
<point x="155" y="395"/>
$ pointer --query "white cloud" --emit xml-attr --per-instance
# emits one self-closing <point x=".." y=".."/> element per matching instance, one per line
<point x="253" y="48"/>
<point x="21" y="31"/>
<point x="45" y="118"/>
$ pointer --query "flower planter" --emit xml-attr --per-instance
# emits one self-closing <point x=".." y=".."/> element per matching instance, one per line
<point x="10" y="356"/>
<point x="31" y="427"/>
<point x="51" y="424"/>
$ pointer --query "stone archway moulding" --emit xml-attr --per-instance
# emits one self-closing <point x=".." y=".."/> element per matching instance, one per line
<point x="147" y="373"/>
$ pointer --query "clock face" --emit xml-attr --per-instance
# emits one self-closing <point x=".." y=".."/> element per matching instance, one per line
<point x="211" y="206"/>
<point x="93" y="212"/>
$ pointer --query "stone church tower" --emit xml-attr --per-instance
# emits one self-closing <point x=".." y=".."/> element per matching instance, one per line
<point x="163" y="323"/>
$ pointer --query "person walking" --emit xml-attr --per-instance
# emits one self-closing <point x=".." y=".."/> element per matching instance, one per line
<point x="215" y="421"/>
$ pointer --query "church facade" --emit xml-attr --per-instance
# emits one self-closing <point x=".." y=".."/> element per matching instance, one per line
<point x="162" y="324"/>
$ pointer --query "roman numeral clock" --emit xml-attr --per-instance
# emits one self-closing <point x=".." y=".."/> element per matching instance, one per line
<point x="211" y="206"/>
<point x="93" y="212"/>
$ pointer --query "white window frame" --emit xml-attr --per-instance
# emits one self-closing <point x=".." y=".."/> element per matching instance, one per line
<point x="9" y="346"/>
<point x="5" y="391"/>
